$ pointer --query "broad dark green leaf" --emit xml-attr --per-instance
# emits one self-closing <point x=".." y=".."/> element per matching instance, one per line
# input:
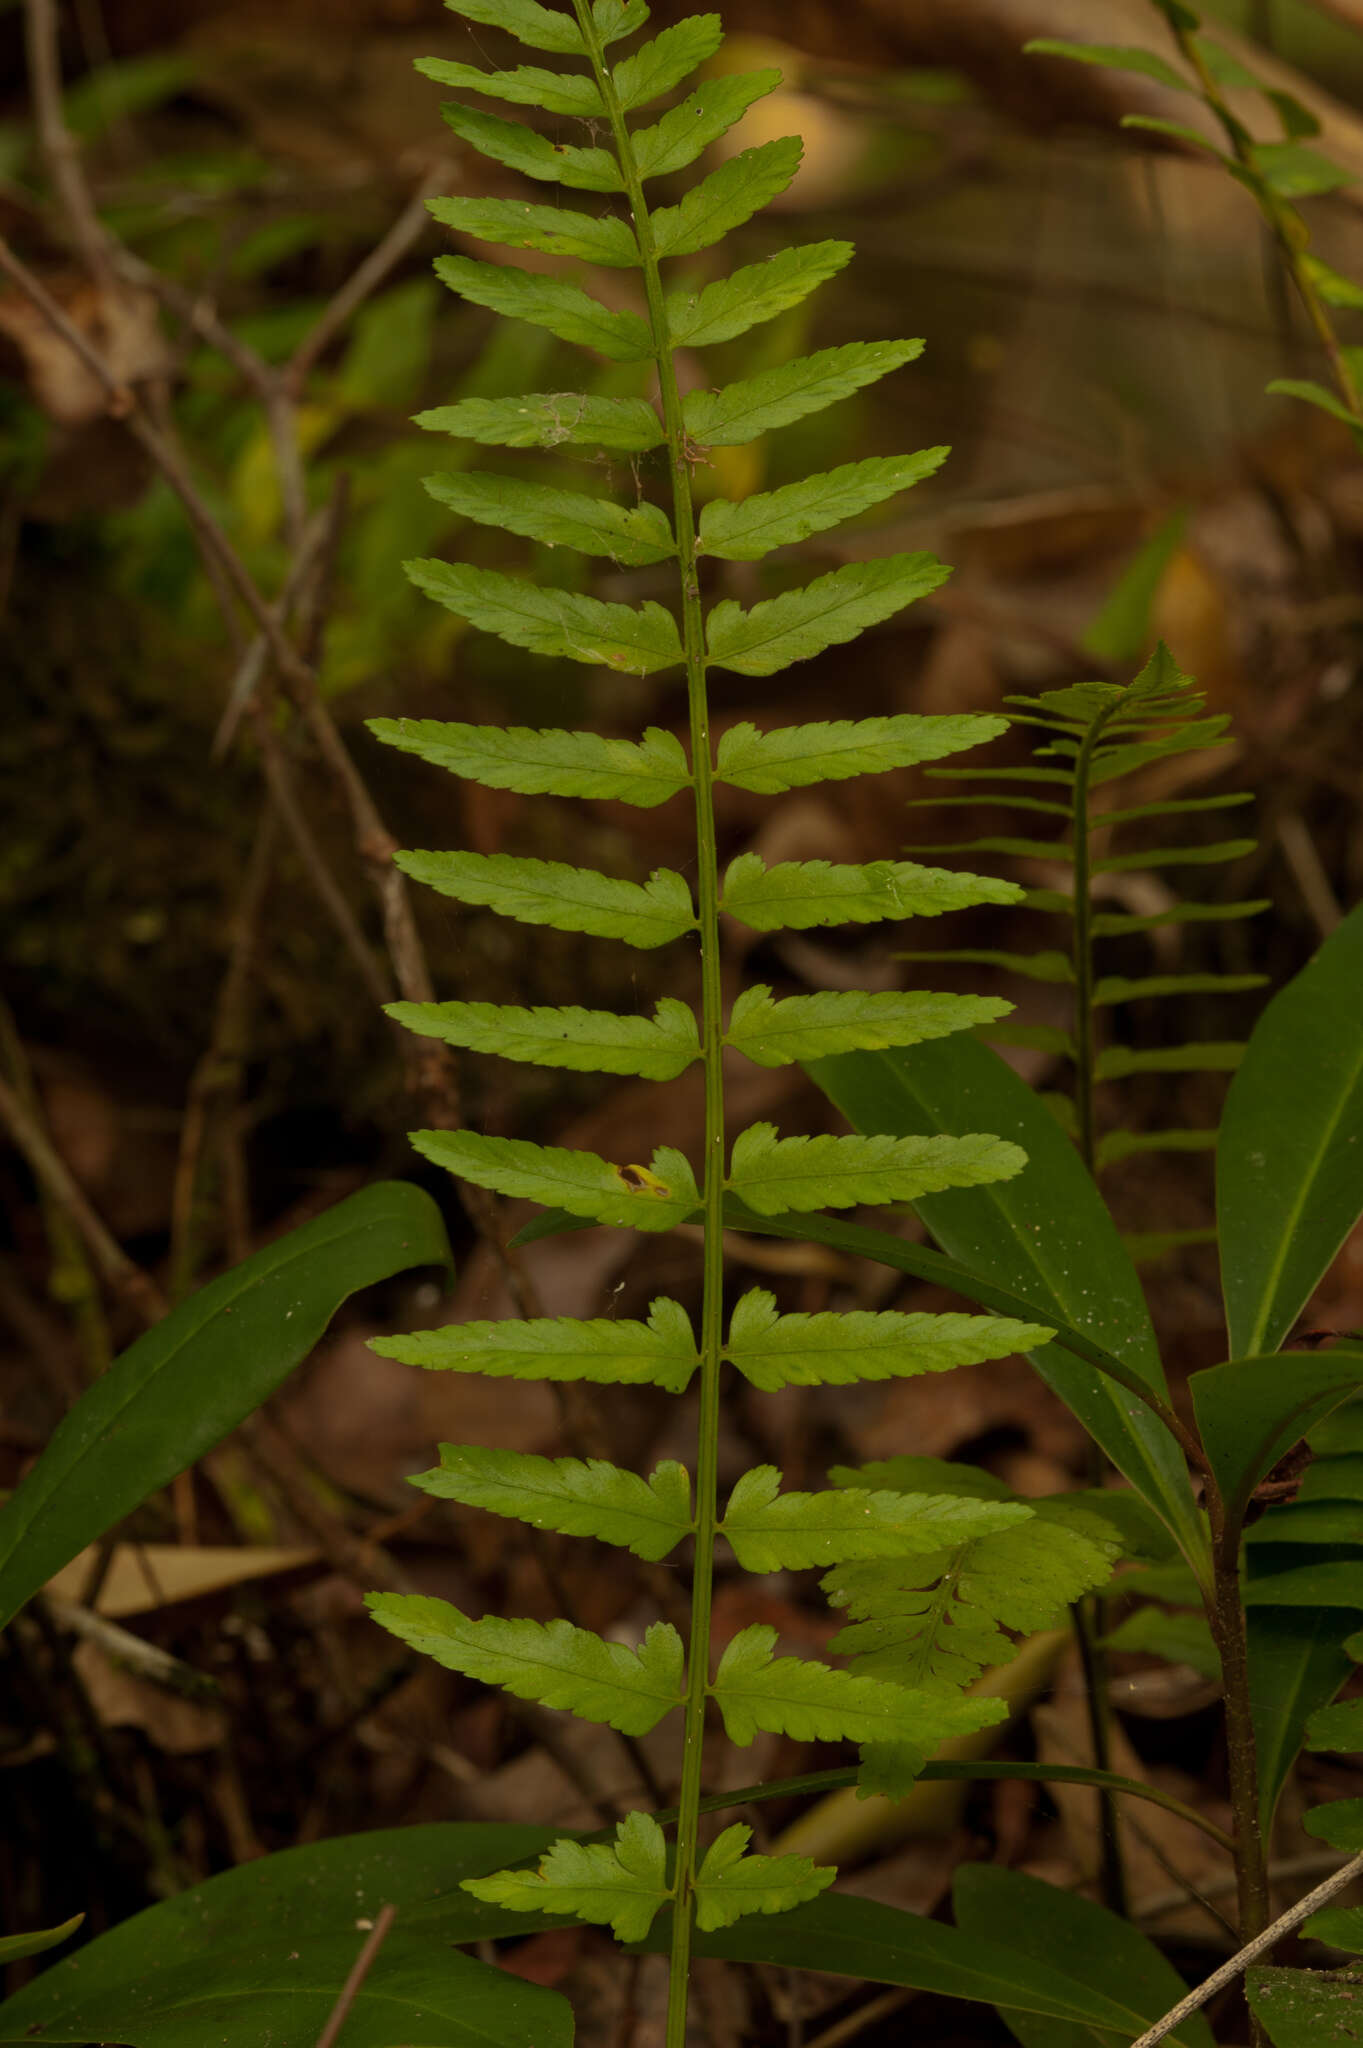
<point x="657" y="1048"/>
<point x="522" y="148"/>
<point x="557" y="92"/>
<point x="570" y="899"/>
<point x="1297" y="1663"/>
<point x="659" y="65"/>
<point x="686" y="130"/>
<point x="187" y="1383"/>
<point x="641" y="772"/>
<point x="747" y="529"/>
<point x="1307" y="2008"/>
<point x="758" y="292"/>
<point x="260" y="1953"/>
<point x="1046" y="1237"/>
<point x="553" y="303"/>
<point x="1250" y="1411"/>
<point x="1046" y="1925"/>
<point x="773" y="398"/>
<point x="601" y="238"/>
<point x="632" y="536"/>
<point x="833" y="609"/>
<point x="794" y="756"/>
<point x="733" y="193"/>
<point x="554" y="622"/>
<point x="1290" y="1158"/>
<point x="550" y="419"/>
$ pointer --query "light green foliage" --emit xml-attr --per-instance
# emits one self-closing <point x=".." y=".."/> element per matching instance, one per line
<point x="774" y="398"/>
<point x="762" y="1694"/>
<point x="560" y="622"/>
<point x="728" y="197"/>
<point x="549" y="302"/>
<point x="551" y="1661"/>
<point x="542" y="28"/>
<point x="631" y="536"/>
<point x="529" y="85"/>
<point x="796" y="894"/>
<point x="685" y="130"/>
<point x="744" y="299"/>
<point x="771" y="1531"/>
<point x="657" y="1048"/>
<point x="518" y="147"/>
<point x="663" y="62"/>
<point x="829" y="1349"/>
<point x="774" y="1175"/>
<point x="590" y="237"/>
<point x="572" y="1496"/>
<point x="549" y="419"/>
<point x="749" y="529"/>
<point x="730" y="1884"/>
<point x="792" y="756"/>
<point x="644" y="772"/>
<point x="660" y="1352"/>
<point x="653" y="1197"/>
<point x="570" y="899"/>
<point x="620" y="1884"/>
<point x="775" y="1034"/>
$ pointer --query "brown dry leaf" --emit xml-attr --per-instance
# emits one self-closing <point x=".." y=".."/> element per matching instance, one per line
<point x="144" y="1577"/>
<point x="177" y="1725"/>
<point x="122" y="324"/>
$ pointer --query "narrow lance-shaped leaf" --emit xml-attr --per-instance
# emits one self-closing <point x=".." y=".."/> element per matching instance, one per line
<point x="657" y="66"/>
<point x="761" y="1694"/>
<point x="1253" y="1410"/>
<point x="522" y="148"/>
<point x="645" y="772"/>
<point x="568" y="899"/>
<point x="833" y="609"/>
<point x="604" y="238"/>
<point x="794" y="895"/>
<point x="660" y="1352"/>
<point x="686" y="130"/>
<point x="529" y="85"/>
<point x="775" y="1034"/>
<point x="573" y="1496"/>
<point x="730" y="1885"/>
<point x="631" y="535"/>
<point x="775" y="1175"/>
<point x="771" y="1531"/>
<point x="828" y="1349"/>
<point x="553" y="303"/>
<point x="554" y="622"/>
<point x="794" y="756"/>
<point x="729" y="196"/>
<point x="747" y="529"/>
<point x="550" y="419"/>
<point x="757" y="292"/>
<point x="552" y="1662"/>
<point x="653" y="1197"/>
<point x="620" y="1884"/>
<point x="1111" y="57"/>
<point x="657" y="1048"/>
<point x="774" y="398"/>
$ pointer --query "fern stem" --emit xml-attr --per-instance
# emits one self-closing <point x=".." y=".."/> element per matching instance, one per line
<point x="711" y="1037"/>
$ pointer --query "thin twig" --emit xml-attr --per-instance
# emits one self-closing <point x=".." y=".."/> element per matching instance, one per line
<point x="58" y="145"/>
<point x="385" y="256"/>
<point x="350" y="1990"/>
<point x="1251" y="1952"/>
<point x="121" y="398"/>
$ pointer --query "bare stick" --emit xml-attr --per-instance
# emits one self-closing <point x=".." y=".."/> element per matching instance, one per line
<point x="364" y="1962"/>
<point x="58" y="145"/>
<point x="1261" y="1943"/>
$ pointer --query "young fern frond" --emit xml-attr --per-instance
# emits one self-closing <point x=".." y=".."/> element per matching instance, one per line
<point x="1099" y="734"/>
<point x="633" y="1689"/>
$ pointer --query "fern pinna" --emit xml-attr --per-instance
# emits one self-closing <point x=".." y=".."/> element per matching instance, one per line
<point x="624" y="1883"/>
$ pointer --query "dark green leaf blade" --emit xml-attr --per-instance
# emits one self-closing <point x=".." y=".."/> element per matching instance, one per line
<point x="1250" y="1411"/>
<point x="1305" y="2008"/>
<point x="553" y="303"/>
<point x="1297" y="1664"/>
<point x="187" y="1383"/>
<point x="730" y="195"/>
<point x="563" y="623"/>
<point x="529" y="85"/>
<point x="687" y="130"/>
<point x="774" y="398"/>
<point x="757" y="292"/>
<point x="746" y="529"/>
<point x="568" y="899"/>
<point x="833" y="609"/>
<point x="586" y="764"/>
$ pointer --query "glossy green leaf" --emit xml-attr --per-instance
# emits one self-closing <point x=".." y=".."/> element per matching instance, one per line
<point x="748" y="529"/>
<point x="757" y="292"/>
<point x="557" y="92"/>
<point x="761" y="1694"/>
<point x="522" y="148"/>
<point x="657" y="1048"/>
<point x="620" y="1884"/>
<point x="794" y="756"/>
<point x="775" y="1034"/>
<point x="794" y="895"/>
<point x="186" y="1384"/>
<point x="13" y="1947"/>
<point x="1290" y="1160"/>
<point x="659" y="65"/>
<point x="1339" y="1926"/>
<point x="776" y="1175"/>
<point x="1045" y="1238"/>
<point x="774" y="398"/>
<point x="661" y="1352"/>
<point x="731" y="1884"/>
<point x="550" y="419"/>
<point x="1253" y="1410"/>
<point x="828" y="1349"/>
<point x="553" y="303"/>
<point x="644" y="772"/>
<point x="543" y="28"/>
<point x="732" y="194"/>
<point x="771" y="1531"/>
<point x="604" y="238"/>
<point x="554" y="622"/>
<point x="1047" y="1925"/>
<point x="1111" y="57"/>
<point x="655" y="1197"/>
<point x="569" y="899"/>
<point x="632" y="536"/>
<point x="550" y="1661"/>
<point x="1306" y="2008"/>
<point x="573" y="1496"/>
<point x="706" y="114"/>
<point x="259" y="1954"/>
<point x="1297" y="1663"/>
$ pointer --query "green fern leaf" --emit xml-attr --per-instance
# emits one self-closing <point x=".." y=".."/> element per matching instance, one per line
<point x="615" y="19"/>
<point x="761" y="1694"/>
<point x="1114" y="924"/>
<point x="773" y="1351"/>
<point x="552" y="1662"/>
<point x="1120" y="988"/>
<point x="548" y="302"/>
<point x="757" y="292"/>
<point x="620" y="1885"/>
<point x="603" y="238"/>
<point x="771" y="1531"/>
<point x="524" y="149"/>
<point x="794" y="895"/>
<point x="832" y="609"/>
<point x="938" y="1620"/>
<point x="550" y="419"/>
<point x="794" y="756"/>
<point x="643" y="773"/>
<point x="654" y="1197"/>
<point x="1130" y="1144"/>
<point x="776" y="1034"/>
<point x="730" y="1884"/>
<point x="573" y="1496"/>
<point x="569" y="899"/>
<point x="660" y="65"/>
<point x="543" y="28"/>
<point x="775" y="1175"/>
<point x="1050" y="967"/>
<point x="557" y="92"/>
<point x="747" y="529"/>
<point x="1115" y="1062"/>
<point x="657" y="1048"/>
<point x="685" y="131"/>
<point x="926" y="1475"/>
<point x="1191" y="806"/>
<point x="632" y="536"/>
<point x="1112" y="57"/>
<point x="554" y="622"/>
<point x="729" y="196"/>
<point x="660" y="1352"/>
<point x="773" y="398"/>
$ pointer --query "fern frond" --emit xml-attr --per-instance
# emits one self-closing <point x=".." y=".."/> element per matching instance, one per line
<point x="794" y="895"/>
<point x="631" y="536"/>
<point x="828" y="1349"/>
<point x="642" y="772"/>
<point x="529" y="85"/>
<point x="771" y="1531"/>
<point x="746" y="529"/>
<point x="730" y="1884"/>
<point x="794" y="756"/>
<point x="523" y="149"/>
<point x="568" y="899"/>
<point x="775" y="1175"/>
<point x="661" y="64"/>
<point x="654" y="1197"/>
<point x="591" y="238"/>
<point x="549" y="419"/>
<point x="657" y="1048"/>
<point x="775" y="398"/>
<point x="556" y="622"/>
<point x="619" y="1884"/>
<point x="757" y="292"/>
<point x="573" y="1496"/>
<point x="553" y="303"/>
<point x="802" y="623"/>
<point x="759" y="1694"/>
<point x="728" y="197"/>
<point x="777" y="1034"/>
<point x="543" y="28"/>
<point x="661" y="1352"/>
<point x="687" y="130"/>
<point x="551" y="1661"/>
